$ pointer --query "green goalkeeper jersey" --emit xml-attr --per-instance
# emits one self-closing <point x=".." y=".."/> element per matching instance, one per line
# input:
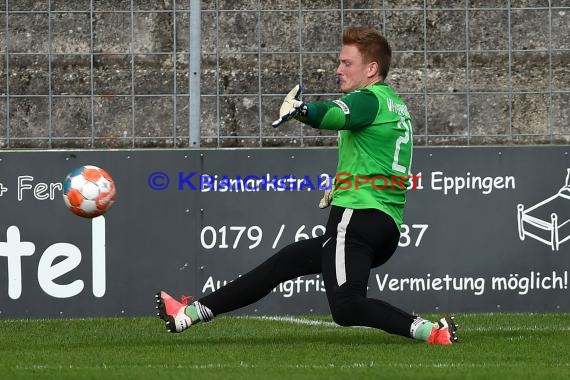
<point x="375" y="148"/>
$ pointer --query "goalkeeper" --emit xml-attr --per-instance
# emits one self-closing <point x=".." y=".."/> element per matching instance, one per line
<point x="362" y="232"/>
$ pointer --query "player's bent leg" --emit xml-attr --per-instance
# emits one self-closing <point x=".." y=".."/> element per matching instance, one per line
<point x="350" y="307"/>
<point x="366" y="239"/>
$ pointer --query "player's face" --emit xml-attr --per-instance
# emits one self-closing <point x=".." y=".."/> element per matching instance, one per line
<point x="352" y="72"/>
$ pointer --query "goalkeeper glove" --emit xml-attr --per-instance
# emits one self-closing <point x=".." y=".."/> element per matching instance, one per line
<point x="292" y="106"/>
<point x="327" y="199"/>
<point x="327" y="196"/>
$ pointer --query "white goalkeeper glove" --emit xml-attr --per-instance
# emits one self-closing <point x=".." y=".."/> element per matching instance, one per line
<point x="327" y="199"/>
<point x="327" y="196"/>
<point x="292" y="105"/>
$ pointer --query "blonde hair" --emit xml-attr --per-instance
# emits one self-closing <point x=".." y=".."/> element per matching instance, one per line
<point x="371" y="44"/>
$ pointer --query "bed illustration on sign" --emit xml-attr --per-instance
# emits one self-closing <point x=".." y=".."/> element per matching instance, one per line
<point x="547" y="221"/>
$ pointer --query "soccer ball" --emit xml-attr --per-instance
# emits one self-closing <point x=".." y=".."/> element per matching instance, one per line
<point x="88" y="191"/>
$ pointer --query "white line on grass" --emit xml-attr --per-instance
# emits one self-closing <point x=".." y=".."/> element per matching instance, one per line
<point x="298" y="321"/>
<point x="36" y="367"/>
<point x="461" y="327"/>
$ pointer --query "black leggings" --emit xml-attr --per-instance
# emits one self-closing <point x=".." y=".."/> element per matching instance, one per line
<point x="354" y="242"/>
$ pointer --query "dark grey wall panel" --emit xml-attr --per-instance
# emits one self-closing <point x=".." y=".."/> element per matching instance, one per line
<point x="461" y="249"/>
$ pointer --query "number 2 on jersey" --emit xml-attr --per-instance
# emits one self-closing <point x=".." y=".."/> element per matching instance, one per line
<point x="406" y="125"/>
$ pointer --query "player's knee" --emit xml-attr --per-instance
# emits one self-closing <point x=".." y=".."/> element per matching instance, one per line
<point x="345" y="309"/>
<point x="342" y="318"/>
<point x="345" y="313"/>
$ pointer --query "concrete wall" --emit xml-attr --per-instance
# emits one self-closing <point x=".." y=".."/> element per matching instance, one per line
<point x="104" y="74"/>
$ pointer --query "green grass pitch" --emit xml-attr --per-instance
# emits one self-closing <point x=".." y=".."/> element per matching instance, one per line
<point x="492" y="346"/>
